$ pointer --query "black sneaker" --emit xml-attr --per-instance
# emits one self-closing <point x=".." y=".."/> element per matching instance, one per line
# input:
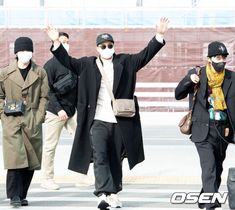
<point x="24" y="202"/>
<point x="201" y="205"/>
<point x="102" y="202"/>
<point x="15" y="201"/>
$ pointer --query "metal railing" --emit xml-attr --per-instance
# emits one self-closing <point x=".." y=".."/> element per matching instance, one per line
<point x="159" y="96"/>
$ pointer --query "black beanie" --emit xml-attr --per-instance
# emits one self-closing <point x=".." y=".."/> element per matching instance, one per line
<point x="104" y="38"/>
<point x="216" y="48"/>
<point x="23" y="44"/>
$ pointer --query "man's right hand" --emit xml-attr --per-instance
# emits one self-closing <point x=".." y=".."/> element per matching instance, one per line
<point x="62" y="115"/>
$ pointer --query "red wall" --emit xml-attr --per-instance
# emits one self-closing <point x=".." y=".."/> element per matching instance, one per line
<point x="185" y="47"/>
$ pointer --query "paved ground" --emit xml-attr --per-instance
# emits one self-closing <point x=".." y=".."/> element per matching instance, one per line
<point x="171" y="165"/>
<point x="133" y="196"/>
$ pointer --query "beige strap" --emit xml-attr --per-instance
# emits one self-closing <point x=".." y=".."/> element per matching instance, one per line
<point x="104" y="76"/>
<point x="196" y="87"/>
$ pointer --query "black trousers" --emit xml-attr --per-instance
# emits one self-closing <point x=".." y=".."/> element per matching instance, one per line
<point x="212" y="153"/>
<point x="107" y="144"/>
<point x="18" y="182"/>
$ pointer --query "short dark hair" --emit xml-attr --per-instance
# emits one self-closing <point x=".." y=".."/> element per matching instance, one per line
<point x="63" y="34"/>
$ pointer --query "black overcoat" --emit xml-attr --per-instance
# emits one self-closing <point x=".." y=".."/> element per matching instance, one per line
<point x="200" y="118"/>
<point x="125" y="68"/>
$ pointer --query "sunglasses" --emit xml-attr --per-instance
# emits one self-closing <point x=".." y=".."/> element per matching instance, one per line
<point x="103" y="46"/>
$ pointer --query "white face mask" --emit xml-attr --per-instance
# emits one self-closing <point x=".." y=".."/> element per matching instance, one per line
<point x="106" y="53"/>
<point x="24" y="56"/>
<point x="66" y="46"/>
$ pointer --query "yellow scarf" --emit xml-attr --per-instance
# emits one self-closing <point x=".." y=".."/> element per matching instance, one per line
<point x="215" y="80"/>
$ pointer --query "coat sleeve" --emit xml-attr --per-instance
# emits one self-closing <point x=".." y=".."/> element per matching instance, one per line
<point x="52" y="95"/>
<point x="74" y="64"/>
<point x="2" y="89"/>
<point x="140" y="59"/>
<point x="185" y="86"/>
<point x="43" y="100"/>
<point x="2" y="96"/>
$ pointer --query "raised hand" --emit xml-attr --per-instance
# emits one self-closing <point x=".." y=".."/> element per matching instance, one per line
<point x="52" y="33"/>
<point x="162" y="26"/>
<point x="195" y="78"/>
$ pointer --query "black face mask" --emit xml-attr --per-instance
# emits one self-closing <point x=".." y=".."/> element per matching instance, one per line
<point x="218" y="66"/>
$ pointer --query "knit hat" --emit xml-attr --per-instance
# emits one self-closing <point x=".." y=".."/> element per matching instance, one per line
<point x="217" y="48"/>
<point x="23" y="44"/>
<point x="104" y="38"/>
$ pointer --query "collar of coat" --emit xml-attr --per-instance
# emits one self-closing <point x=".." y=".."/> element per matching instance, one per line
<point x="118" y="69"/>
<point x="14" y="74"/>
<point x="225" y="86"/>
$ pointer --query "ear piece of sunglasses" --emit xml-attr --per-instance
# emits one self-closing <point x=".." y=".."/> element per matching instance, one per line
<point x="103" y="46"/>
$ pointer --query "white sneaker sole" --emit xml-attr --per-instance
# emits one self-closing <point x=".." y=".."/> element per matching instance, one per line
<point x="48" y="188"/>
<point x="118" y="207"/>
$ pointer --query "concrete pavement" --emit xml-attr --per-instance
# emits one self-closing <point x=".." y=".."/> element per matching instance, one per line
<point x="171" y="165"/>
<point x="166" y="162"/>
<point x="133" y="197"/>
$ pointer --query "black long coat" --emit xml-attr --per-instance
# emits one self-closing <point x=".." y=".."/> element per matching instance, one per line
<point x="200" y="126"/>
<point x="125" y="68"/>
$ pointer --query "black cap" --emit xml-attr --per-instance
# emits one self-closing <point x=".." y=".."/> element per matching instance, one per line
<point x="217" y="48"/>
<point x="63" y="34"/>
<point x="23" y="44"/>
<point x="103" y="38"/>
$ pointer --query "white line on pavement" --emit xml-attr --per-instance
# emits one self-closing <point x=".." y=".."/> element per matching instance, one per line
<point x="137" y="190"/>
<point x="77" y="199"/>
<point x="92" y="208"/>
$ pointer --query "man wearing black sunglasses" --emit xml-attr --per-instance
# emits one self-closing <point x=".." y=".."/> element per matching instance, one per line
<point x="105" y="46"/>
<point x="100" y="135"/>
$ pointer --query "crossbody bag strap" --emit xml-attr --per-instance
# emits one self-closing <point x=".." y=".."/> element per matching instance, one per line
<point x="70" y="72"/>
<point x="104" y="76"/>
<point x="24" y="95"/>
<point x="196" y="87"/>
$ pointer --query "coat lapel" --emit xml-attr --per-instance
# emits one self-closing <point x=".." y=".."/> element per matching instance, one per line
<point x="226" y="83"/>
<point x="31" y="77"/>
<point x="118" y="68"/>
<point x="15" y="75"/>
<point x="203" y="82"/>
<point x="97" y="79"/>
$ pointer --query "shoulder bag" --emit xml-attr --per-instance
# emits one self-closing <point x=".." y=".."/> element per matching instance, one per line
<point x="185" y="123"/>
<point x="64" y="85"/>
<point x="121" y="107"/>
<point x="16" y="107"/>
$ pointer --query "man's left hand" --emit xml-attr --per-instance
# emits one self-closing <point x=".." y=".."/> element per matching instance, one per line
<point x="162" y="27"/>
